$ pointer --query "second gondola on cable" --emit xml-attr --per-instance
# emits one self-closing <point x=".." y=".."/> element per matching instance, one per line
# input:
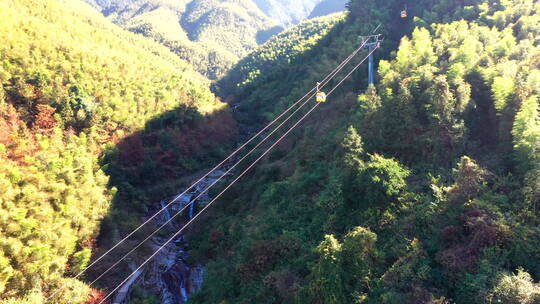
<point x="320" y="96"/>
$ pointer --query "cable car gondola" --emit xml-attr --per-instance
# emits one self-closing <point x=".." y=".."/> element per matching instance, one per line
<point x="404" y="13"/>
<point x="320" y="96"/>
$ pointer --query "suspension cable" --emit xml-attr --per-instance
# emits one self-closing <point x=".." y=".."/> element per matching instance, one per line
<point x="200" y="194"/>
<point x="235" y="180"/>
<point x="324" y="82"/>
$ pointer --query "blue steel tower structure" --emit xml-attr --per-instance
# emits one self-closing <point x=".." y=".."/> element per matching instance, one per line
<point x="376" y="41"/>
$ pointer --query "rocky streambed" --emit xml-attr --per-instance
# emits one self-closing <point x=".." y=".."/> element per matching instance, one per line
<point x="168" y="274"/>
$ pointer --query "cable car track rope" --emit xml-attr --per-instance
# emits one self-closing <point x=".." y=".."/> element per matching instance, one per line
<point x="178" y="232"/>
<point x="325" y="81"/>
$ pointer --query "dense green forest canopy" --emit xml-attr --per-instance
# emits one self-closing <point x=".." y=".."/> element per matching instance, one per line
<point x="72" y="87"/>
<point x="275" y="55"/>
<point x="424" y="188"/>
<point x="421" y="189"/>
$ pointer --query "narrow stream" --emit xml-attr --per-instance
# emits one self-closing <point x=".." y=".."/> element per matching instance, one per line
<point x="168" y="274"/>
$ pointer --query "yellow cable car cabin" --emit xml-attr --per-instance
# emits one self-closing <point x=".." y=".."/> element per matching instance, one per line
<point x="404" y="13"/>
<point x="320" y="97"/>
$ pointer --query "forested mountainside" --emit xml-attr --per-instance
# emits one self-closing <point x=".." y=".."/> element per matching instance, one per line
<point x="422" y="189"/>
<point x="277" y="54"/>
<point x="210" y="34"/>
<point x="76" y="90"/>
<point x="328" y="7"/>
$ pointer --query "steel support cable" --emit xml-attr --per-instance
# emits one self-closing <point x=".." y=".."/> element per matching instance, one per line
<point x="200" y="194"/>
<point x="323" y="82"/>
<point x="234" y="181"/>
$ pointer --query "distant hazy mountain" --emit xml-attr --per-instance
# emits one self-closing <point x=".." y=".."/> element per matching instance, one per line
<point x="327" y="7"/>
<point x="211" y="34"/>
<point x="287" y="12"/>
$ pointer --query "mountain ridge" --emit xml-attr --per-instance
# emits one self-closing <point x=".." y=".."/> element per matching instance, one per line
<point x="212" y="35"/>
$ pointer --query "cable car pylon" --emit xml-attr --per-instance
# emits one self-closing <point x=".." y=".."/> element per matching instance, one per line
<point x="404" y="14"/>
<point x="372" y="46"/>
